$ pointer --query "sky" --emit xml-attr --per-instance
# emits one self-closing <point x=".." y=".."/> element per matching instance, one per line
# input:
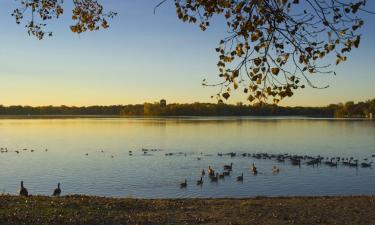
<point x="144" y="57"/>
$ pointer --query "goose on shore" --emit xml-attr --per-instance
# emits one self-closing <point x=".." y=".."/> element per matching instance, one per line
<point x="200" y="182"/>
<point x="184" y="184"/>
<point x="240" y="178"/>
<point x="57" y="191"/>
<point x="23" y="191"/>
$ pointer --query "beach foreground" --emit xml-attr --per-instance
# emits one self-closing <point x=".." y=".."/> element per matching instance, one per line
<point x="261" y="210"/>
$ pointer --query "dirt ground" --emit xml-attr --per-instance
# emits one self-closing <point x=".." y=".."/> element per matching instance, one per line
<point x="97" y="210"/>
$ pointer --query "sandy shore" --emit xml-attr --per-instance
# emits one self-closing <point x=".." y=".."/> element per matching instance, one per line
<point x="97" y="210"/>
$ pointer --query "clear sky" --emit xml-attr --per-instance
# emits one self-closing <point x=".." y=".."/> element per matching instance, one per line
<point x="144" y="57"/>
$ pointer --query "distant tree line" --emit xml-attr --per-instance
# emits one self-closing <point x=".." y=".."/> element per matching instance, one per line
<point x="348" y="109"/>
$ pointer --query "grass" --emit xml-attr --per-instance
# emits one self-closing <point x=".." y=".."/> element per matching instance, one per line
<point x="88" y="210"/>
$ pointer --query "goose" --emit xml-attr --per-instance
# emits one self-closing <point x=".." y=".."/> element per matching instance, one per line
<point x="228" y="167"/>
<point x="366" y="165"/>
<point x="254" y="169"/>
<point x="57" y="191"/>
<point x="240" y="178"/>
<point x="211" y="172"/>
<point x="214" y="178"/>
<point x="23" y="191"/>
<point x="347" y="163"/>
<point x="221" y="176"/>
<point x="184" y="184"/>
<point x="355" y="164"/>
<point x="275" y="169"/>
<point x="200" y="182"/>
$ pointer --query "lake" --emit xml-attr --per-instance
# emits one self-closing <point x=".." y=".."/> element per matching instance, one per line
<point x="91" y="156"/>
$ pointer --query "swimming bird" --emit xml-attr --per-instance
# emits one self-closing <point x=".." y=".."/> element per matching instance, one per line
<point x="23" y="191"/>
<point x="366" y="165"/>
<point x="200" y="182"/>
<point x="211" y="172"/>
<point x="275" y="169"/>
<point x="240" y="178"/>
<point x="184" y="184"/>
<point x="254" y="169"/>
<point x="214" y="178"/>
<point x="228" y="167"/>
<point x="221" y="176"/>
<point x="57" y="191"/>
<point x="355" y="164"/>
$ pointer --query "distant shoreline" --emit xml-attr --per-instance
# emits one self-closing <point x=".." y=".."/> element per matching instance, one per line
<point x="260" y="210"/>
<point x="174" y="117"/>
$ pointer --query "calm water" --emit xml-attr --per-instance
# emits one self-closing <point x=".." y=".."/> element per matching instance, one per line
<point x="158" y="176"/>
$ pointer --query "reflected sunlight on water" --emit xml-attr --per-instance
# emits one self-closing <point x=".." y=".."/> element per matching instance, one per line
<point x="114" y="172"/>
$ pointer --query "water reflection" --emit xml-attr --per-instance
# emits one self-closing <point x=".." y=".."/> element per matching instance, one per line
<point x="114" y="172"/>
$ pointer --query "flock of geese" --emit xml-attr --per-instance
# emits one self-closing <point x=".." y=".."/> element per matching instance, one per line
<point x="23" y="191"/>
<point x="295" y="160"/>
<point x="227" y="169"/>
<point x="5" y="150"/>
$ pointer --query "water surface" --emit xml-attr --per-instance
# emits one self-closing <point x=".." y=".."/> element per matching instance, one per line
<point x="114" y="172"/>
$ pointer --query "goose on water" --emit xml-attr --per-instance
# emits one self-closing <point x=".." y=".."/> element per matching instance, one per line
<point x="184" y="184"/>
<point x="200" y="182"/>
<point x="228" y="167"/>
<point x="214" y="178"/>
<point x="240" y="178"/>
